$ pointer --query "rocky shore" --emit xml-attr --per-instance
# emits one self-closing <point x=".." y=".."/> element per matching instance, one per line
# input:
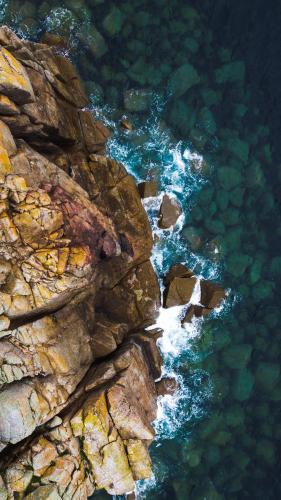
<point x="79" y="372"/>
<point x="77" y="369"/>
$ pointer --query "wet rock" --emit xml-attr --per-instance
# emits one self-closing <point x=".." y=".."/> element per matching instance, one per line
<point x="166" y="386"/>
<point x="54" y="40"/>
<point x="125" y="124"/>
<point x="177" y="271"/>
<point x="211" y="297"/>
<point x="179" y="286"/>
<point x="195" y="311"/>
<point x="169" y="212"/>
<point x="212" y="294"/>
<point x="147" y="189"/>
<point x="47" y="492"/>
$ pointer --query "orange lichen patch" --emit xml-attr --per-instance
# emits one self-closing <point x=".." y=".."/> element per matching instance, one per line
<point x="63" y="254"/>
<point x="139" y="459"/>
<point x="60" y="472"/>
<point x="19" y="479"/>
<point x="8" y="107"/>
<point x="6" y="139"/>
<point x="8" y="230"/>
<point x="48" y="258"/>
<point x="3" y="207"/>
<point x="44" y="453"/>
<point x="79" y="257"/>
<point x="58" y="361"/>
<point x="14" y="81"/>
<point x="5" y="164"/>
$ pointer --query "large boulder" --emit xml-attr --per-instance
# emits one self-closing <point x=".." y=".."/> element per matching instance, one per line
<point x="180" y="283"/>
<point x="169" y="212"/>
<point x="179" y="287"/>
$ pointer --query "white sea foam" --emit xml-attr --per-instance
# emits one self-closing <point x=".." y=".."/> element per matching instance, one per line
<point x="179" y="175"/>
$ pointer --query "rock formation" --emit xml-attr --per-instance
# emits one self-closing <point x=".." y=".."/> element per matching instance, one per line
<point x="77" y="368"/>
<point x="179" y="287"/>
<point x="169" y="212"/>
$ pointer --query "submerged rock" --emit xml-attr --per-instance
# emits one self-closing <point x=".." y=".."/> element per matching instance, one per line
<point x="169" y="212"/>
<point x="231" y="72"/>
<point x="136" y="100"/>
<point x="182" y="79"/>
<point x="77" y="286"/>
<point x="113" y="22"/>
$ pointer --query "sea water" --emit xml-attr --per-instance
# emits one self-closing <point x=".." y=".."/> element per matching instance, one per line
<point x="200" y="83"/>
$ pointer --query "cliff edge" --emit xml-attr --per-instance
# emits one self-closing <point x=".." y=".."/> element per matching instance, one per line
<point x="77" y="369"/>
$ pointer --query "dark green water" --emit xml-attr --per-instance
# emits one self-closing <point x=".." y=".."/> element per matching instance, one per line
<point x="206" y="112"/>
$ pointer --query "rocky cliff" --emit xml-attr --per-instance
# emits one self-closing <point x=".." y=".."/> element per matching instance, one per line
<point x="77" y="368"/>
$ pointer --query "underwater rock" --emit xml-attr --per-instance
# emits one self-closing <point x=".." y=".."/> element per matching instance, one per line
<point x="182" y="79"/>
<point x="243" y="384"/>
<point x="136" y="100"/>
<point x="54" y="40"/>
<point x="229" y="177"/>
<point x="237" y="356"/>
<point x="231" y="72"/>
<point x="113" y="22"/>
<point x="77" y="286"/>
<point x="237" y="264"/>
<point x="193" y="236"/>
<point x="238" y="148"/>
<point x="93" y="40"/>
<point x="267" y="375"/>
<point x="169" y="212"/>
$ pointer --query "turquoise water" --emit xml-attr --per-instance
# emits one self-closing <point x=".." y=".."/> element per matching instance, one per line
<point x="206" y="118"/>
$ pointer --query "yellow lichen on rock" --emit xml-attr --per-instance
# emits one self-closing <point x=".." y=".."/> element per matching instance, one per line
<point x="14" y="81"/>
<point x="139" y="459"/>
<point x="8" y="107"/>
<point x="5" y="164"/>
